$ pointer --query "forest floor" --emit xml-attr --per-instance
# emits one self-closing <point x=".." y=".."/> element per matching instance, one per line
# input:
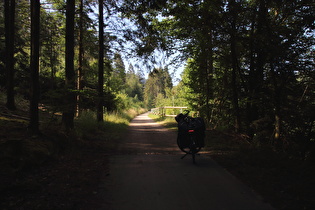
<point x="53" y="170"/>
<point x="282" y="180"/>
<point x="58" y="171"/>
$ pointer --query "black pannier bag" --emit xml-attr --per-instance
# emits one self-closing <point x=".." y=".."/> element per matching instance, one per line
<point x="188" y="123"/>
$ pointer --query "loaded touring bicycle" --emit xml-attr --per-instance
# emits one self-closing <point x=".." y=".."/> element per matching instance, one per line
<point x="191" y="134"/>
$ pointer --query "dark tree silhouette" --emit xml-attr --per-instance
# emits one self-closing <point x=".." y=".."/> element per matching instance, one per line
<point x="70" y="98"/>
<point x="34" y="92"/>
<point x="100" y="64"/>
<point x="9" y="7"/>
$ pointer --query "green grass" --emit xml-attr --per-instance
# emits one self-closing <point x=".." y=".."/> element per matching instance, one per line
<point x="20" y="150"/>
<point x="168" y="122"/>
<point x="108" y="133"/>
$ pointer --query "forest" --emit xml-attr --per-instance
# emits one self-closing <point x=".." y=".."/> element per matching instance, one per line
<point x="248" y="64"/>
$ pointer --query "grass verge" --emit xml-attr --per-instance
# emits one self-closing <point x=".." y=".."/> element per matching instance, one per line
<point x="106" y="134"/>
<point x="168" y="122"/>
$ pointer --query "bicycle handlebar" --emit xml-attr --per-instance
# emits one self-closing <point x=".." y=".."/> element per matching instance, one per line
<point x="187" y="112"/>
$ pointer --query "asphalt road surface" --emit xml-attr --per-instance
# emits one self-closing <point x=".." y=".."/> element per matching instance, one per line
<point x="148" y="173"/>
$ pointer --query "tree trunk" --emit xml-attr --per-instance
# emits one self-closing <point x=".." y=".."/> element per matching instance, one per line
<point x="52" y="58"/>
<point x="9" y="6"/>
<point x="70" y="98"/>
<point x="277" y="104"/>
<point x="235" y="67"/>
<point x="34" y="92"/>
<point x="257" y="63"/>
<point x="261" y="46"/>
<point x="81" y="55"/>
<point x="100" y="64"/>
<point x="209" y="70"/>
<point x="250" y="109"/>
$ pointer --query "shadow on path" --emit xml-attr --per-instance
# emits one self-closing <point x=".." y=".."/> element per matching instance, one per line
<point x="149" y="174"/>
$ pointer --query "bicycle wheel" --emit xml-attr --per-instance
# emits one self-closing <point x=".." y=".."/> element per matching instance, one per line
<point x="194" y="157"/>
<point x="188" y="150"/>
<point x="194" y="150"/>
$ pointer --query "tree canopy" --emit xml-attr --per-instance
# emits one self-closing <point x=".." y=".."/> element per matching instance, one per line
<point x="249" y="63"/>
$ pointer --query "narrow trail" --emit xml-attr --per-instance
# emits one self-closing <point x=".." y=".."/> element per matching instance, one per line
<point x="148" y="173"/>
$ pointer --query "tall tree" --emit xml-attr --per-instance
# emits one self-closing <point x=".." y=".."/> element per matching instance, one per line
<point x="100" y="63"/>
<point x="68" y="114"/>
<point x="134" y="87"/>
<point x="34" y="93"/>
<point x="158" y="81"/>
<point x="52" y="46"/>
<point x="9" y="7"/>
<point x="258" y="59"/>
<point x="118" y="75"/>
<point x="232" y="7"/>
<point x="81" y="55"/>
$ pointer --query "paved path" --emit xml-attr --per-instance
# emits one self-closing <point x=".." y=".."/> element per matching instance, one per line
<point x="148" y="174"/>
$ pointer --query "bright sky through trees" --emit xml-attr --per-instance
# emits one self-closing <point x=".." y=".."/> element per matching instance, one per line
<point x="117" y="26"/>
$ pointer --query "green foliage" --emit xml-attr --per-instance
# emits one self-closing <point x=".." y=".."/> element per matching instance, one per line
<point x="241" y="70"/>
<point x="156" y="86"/>
<point x="87" y="123"/>
<point x="110" y="130"/>
<point x="134" y="87"/>
<point x="118" y="75"/>
<point x="126" y="87"/>
<point x="121" y="91"/>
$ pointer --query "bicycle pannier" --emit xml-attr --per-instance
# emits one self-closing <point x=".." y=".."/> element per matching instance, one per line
<point x="197" y="124"/>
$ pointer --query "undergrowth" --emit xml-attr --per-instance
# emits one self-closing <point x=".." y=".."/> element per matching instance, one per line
<point x="56" y="168"/>
<point x="19" y="150"/>
<point x="108" y="132"/>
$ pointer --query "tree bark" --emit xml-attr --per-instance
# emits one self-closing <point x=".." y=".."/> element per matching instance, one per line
<point x="9" y="6"/>
<point x="81" y="55"/>
<point x="34" y="90"/>
<point x="70" y="97"/>
<point x="257" y="63"/>
<point x="100" y="64"/>
<point x="277" y="86"/>
<point x="235" y="66"/>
